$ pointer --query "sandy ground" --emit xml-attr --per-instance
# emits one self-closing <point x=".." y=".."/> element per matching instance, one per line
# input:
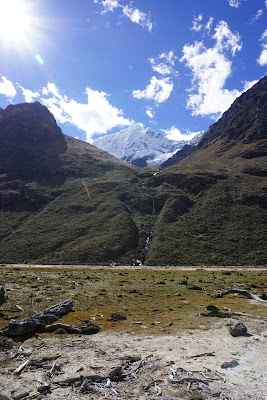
<point x="149" y="376"/>
<point x="143" y="267"/>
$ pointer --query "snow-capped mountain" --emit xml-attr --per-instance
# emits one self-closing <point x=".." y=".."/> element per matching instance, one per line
<point x="139" y="146"/>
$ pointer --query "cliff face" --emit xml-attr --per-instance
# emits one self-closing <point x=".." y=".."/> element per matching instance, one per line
<point x="30" y="140"/>
<point x="241" y="132"/>
<point x="244" y="123"/>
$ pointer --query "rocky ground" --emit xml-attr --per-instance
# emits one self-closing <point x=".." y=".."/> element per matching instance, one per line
<point x="205" y="363"/>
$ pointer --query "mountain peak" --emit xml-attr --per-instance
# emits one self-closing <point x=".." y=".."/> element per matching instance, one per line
<point x="139" y="146"/>
<point x="30" y="138"/>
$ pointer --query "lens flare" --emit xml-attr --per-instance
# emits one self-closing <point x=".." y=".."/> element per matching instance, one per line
<point x="16" y="23"/>
<point x="39" y="59"/>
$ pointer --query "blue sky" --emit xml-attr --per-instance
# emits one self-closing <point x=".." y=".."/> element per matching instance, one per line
<point x="101" y="65"/>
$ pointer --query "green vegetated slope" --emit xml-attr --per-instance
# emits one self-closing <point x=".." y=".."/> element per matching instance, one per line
<point x="226" y="181"/>
<point x="65" y="201"/>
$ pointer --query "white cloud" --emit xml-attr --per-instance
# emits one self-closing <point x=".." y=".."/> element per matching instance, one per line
<point x="175" y="134"/>
<point x="168" y="57"/>
<point x="162" y="69"/>
<point x="264" y="35"/>
<point x="108" y="5"/>
<point x="150" y="112"/>
<point x="29" y="96"/>
<point x="96" y="116"/>
<point x="234" y="3"/>
<point x="226" y="40"/>
<point x="158" y="90"/>
<point x="208" y="24"/>
<point x="7" y="88"/>
<point x="197" y="25"/>
<point x="210" y="68"/>
<point x="262" y="60"/>
<point x="134" y="14"/>
<point x="257" y="16"/>
<point x="138" y="17"/>
<point x="249" y="84"/>
<point x="163" y="65"/>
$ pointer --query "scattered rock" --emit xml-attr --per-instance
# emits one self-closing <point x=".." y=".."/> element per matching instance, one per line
<point x="238" y="330"/>
<point x="117" y="316"/>
<point x="3" y="297"/>
<point x="60" y="331"/>
<point x="226" y="273"/>
<point x="5" y="344"/>
<point x="263" y="296"/>
<point x="213" y="308"/>
<point x="3" y="397"/>
<point x="38" y="322"/>
<point x="183" y="282"/>
<point x="195" y="287"/>
<point x="215" y="312"/>
<point x="230" y="364"/>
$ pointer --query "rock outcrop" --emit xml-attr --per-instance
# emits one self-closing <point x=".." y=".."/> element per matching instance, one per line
<point x="30" y="140"/>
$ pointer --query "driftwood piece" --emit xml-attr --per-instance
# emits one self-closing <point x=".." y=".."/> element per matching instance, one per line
<point x="244" y="293"/>
<point x="202" y="355"/>
<point x="3" y="297"/>
<point x="114" y="375"/>
<point x="87" y="329"/>
<point x="94" y="378"/>
<point x="164" y="398"/>
<point x="43" y="382"/>
<point x="41" y="361"/>
<point x="53" y="367"/>
<point x="20" y="395"/>
<point x="21" y="367"/>
<point x="215" y="312"/>
<point x="193" y="380"/>
<point x="38" y="322"/>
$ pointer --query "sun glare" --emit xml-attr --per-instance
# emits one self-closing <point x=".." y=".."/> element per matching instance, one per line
<point x="16" y="23"/>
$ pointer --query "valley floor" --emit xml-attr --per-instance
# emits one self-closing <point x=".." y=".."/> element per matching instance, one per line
<point x="149" y="373"/>
<point x="142" y="267"/>
<point x="163" y="340"/>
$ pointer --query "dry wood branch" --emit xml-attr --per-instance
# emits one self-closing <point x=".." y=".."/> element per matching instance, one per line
<point x="202" y="355"/>
<point x="244" y="293"/>
<point x="193" y="380"/>
<point x="21" y="395"/>
<point x="53" y="368"/>
<point x="164" y="398"/>
<point x="94" y="378"/>
<point x="43" y="382"/>
<point x="88" y="329"/>
<point x="21" y="367"/>
<point x="39" y="362"/>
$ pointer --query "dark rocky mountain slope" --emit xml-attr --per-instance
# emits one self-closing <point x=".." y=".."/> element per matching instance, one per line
<point x="241" y="130"/>
<point x="65" y="201"/>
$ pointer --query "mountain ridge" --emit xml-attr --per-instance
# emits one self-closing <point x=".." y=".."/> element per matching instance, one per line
<point x="84" y="206"/>
<point x="141" y="146"/>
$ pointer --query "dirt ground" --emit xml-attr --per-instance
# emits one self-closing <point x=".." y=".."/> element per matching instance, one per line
<point x="174" y="362"/>
<point x="150" y="364"/>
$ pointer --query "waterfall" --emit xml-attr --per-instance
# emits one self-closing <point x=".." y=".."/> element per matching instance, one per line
<point x="153" y="209"/>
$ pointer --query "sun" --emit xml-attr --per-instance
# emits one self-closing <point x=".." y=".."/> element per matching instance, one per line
<point x="16" y="23"/>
